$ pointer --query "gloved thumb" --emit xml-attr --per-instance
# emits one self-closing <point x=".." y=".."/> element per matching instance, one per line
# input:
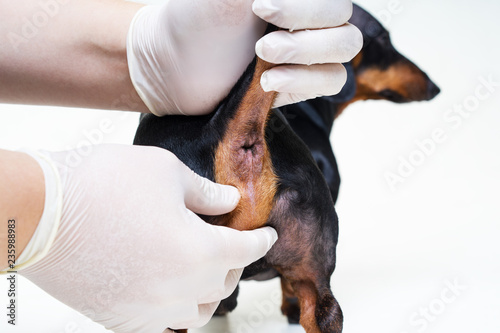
<point x="203" y="196"/>
<point x="246" y="247"/>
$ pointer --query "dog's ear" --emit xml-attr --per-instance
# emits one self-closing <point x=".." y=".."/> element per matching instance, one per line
<point x="349" y="90"/>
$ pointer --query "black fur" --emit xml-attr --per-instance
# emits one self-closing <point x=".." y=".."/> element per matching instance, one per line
<point x="303" y="213"/>
<point x="313" y="120"/>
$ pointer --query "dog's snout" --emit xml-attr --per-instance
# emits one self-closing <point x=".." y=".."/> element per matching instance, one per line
<point x="432" y="90"/>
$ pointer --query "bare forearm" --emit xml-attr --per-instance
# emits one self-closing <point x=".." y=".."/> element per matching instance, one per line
<point x="22" y="198"/>
<point x="67" y="53"/>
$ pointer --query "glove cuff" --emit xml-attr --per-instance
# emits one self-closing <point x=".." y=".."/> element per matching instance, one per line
<point x="45" y="233"/>
<point x="145" y="72"/>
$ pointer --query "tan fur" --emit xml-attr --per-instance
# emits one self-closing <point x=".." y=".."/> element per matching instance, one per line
<point x="404" y="78"/>
<point x="306" y="292"/>
<point x="255" y="180"/>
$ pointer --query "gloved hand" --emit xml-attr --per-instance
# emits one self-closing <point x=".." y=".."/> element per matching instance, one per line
<point x="128" y="251"/>
<point x="185" y="56"/>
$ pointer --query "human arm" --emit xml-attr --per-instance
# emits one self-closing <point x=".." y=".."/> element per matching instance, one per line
<point x="206" y="45"/>
<point x="129" y="252"/>
<point x="22" y="194"/>
<point x="182" y="56"/>
<point x="67" y="53"/>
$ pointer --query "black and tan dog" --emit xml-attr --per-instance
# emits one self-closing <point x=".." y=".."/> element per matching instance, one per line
<point x="245" y="144"/>
<point x="378" y="72"/>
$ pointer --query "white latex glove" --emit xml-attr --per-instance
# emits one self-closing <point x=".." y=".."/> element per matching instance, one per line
<point x="128" y="251"/>
<point x="185" y="56"/>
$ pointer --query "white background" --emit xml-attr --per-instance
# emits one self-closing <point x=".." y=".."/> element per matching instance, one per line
<point x="399" y="249"/>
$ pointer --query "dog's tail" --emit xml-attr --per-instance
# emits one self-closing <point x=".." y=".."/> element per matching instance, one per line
<point x="242" y="158"/>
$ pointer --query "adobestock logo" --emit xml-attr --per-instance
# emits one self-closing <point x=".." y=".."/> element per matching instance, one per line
<point x="484" y="90"/>
<point x="31" y="26"/>
<point x="85" y="147"/>
<point x="417" y="157"/>
<point x="454" y="117"/>
<point x="393" y="8"/>
<point x="263" y="309"/>
<point x="421" y="319"/>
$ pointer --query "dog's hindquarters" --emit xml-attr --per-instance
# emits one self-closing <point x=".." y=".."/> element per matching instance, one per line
<point x="305" y="218"/>
<point x="242" y="157"/>
<point x="278" y="186"/>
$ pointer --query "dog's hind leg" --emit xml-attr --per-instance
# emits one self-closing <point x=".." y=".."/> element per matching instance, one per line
<point x="304" y="256"/>
<point x="319" y="311"/>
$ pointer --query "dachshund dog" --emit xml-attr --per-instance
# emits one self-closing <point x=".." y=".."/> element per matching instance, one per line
<point x="246" y="144"/>
<point x="378" y="72"/>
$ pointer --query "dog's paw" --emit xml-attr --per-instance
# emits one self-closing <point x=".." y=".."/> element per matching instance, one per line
<point x="291" y="309"/>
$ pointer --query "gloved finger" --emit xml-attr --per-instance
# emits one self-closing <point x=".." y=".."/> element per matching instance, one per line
<point x="287" y="99"/>
<point x="318" y="80"/>
<point x="299" y="14"/>
<point x="206" y="197"/>
<point x="246" y="247"/>
<point x="335" y="45"/>
<point x="230" y="283"/>
<point x="204" y="313"/>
